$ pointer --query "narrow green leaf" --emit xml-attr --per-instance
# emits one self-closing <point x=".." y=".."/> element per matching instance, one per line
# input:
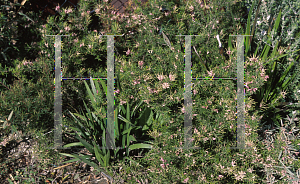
<point x="69" y="161"/>
<point x="73" y="144"/>
<point x="86" y="145"/>
<point x="104" y="87"/>
<point x="139" y="146"/>
<point x="247" y="45"/>
<point x="99" y="155"/>
<point x="26" y="16"/>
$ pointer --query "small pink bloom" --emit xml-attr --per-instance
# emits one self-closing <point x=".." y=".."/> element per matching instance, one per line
<point x="165" y="85"/>
<point x="160" y="77"/>
<point x="67" y="28"/>
<point x="266" y="78"/>
<point x="128" y="52"/>
<point x="57" y="8"/>
<point x="186" y="180"/>
<point x="183" y="110"/>
<point x="195" y="130"/>
<point x="141" y="63"/>
<point x="172" y="77"/>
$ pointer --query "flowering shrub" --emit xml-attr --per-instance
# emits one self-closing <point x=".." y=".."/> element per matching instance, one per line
<point x="24" y="88"/>
<point x="287" y="33"/>
<point x="149" y="61"/>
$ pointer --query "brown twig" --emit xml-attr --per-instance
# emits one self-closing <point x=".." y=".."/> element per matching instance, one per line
<point x="4" y="86"/>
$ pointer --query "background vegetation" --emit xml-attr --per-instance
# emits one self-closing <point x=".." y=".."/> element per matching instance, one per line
<point x="149" y="93"/>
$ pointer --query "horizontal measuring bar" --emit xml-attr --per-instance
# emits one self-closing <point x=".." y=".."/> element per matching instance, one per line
<point x="216" y="78"/>
<point x="187" y="35"/>
<point x="82" y="78"/>
<point x="240" y="35"/>
<point x="57" y="35"/>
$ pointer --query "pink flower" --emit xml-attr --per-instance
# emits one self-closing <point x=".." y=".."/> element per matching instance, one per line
<point x="57" y="8"/>
<point x="210" y="73"/>
<point x="172" y="77"/>
<point x="160" y="77"/>
<point x="122" y="102"/>
<point x="67" y="28"/>
<point x="195" y="130"/>
<point x="136" y="82"/>
<point x="194" y="91"/>
<point x="95" y="31"/>
<point x="266" y="78"/>
<point x="186" y="180"/>
<point x="233" y="163"/>
<point x="191" y="7"/>
<point x="165" y="85"/>
<point x="82" y="44"/>
<point x="26" y="63"/>
<point x="128" y="52"/>
<point x="182" y="110"/>
<point x="141" y="63"/>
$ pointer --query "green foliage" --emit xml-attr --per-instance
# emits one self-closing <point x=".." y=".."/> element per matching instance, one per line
<point x="31" y="100"/>
<point x="93" y="137"/>
<point x="284" y="39"/>
<point x="150" y="69"/>
<point x="270" y="93"/>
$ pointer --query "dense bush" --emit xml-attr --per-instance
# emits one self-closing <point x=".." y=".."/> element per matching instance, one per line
<point x="288" y="34"/>
<point x="150" y="66"/>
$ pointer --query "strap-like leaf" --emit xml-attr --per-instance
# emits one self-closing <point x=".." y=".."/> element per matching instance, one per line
<point x="139" y="146"/>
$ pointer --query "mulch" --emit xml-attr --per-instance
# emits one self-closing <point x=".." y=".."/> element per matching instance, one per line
<point x="17" y="154"/>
